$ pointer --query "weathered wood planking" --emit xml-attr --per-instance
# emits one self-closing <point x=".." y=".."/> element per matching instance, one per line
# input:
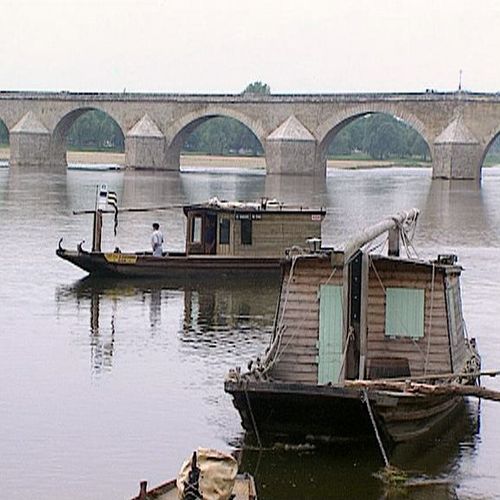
<point x="456" y="323"/>
<point x="298" y="355"/>
<point x="272" y="233"/>
<point x="429" y="353"/>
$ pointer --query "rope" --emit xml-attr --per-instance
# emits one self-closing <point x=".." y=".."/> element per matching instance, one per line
<point x="276" y="341"/>
<point x="296" y="330"/>
<point x="366" y="400"/>
<point x="350" y="336"/>
<point x="254" y="424"/>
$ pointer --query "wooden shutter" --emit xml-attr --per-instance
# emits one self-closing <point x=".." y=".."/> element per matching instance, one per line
<point x="330" y="334"/>
<point x="404" y="312"/>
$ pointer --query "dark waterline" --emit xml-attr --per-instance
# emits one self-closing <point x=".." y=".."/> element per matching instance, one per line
<point x="107" y="383"/>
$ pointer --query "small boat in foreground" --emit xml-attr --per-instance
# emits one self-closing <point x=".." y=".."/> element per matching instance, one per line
<point x="209" y="475"/>
<point x="244" y="489"/>
<point x="221" y="237"/>
<point x="364" y="344"/>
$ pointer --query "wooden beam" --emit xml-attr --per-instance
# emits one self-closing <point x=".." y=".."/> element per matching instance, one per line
<point x="426" y="389"/>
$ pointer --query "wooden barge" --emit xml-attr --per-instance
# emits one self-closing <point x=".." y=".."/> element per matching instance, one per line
<point x="362" y="342"/>
<point x="221" y="237"/>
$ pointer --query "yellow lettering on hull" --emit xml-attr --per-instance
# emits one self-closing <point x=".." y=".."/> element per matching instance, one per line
<point x="120" y="258"/>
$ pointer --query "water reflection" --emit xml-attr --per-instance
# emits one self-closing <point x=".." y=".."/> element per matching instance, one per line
<point x="346" y="471"/>
<point x="146" y="188"/>
<point x="157" y="353"/>
<point x="43" y="189"/>
<point x="213" y="310"/>
<point x="101" y="344"/>
<point x="455" y="214"/>
<point x="291" y="189"/>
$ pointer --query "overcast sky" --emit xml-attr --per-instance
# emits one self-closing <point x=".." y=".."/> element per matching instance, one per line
<point x="222" y="45"/>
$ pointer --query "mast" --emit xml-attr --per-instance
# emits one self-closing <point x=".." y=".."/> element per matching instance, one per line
<point x="355" y="288"/>
<point x="101" y="197"/>
<point x="97" y="232"/>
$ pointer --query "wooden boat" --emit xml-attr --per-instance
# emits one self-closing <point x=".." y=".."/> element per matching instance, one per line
<point x="244" y="489"/>
<point x="363" y="344"/>
<point x="208" y="474"/>
<point x="221" y="237"/>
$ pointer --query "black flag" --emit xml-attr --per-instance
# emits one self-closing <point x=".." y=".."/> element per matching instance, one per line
<point x="113" y="201"/>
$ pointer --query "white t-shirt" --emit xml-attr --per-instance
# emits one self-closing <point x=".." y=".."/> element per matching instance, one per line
<point x="157" y="243"/>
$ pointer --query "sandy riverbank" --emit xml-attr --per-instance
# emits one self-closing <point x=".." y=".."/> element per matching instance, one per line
<point x="91" y="158"/>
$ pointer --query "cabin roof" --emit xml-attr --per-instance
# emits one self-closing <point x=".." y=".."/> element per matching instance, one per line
<point x="262" y="206"/>
<point x="337" y="259"/>
<point x="438" y="263"/>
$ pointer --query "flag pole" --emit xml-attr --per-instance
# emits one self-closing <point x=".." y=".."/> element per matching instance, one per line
<point x="97" y="230"/>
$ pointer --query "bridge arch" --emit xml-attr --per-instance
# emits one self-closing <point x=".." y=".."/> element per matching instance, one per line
<point x="331" y="127"/>
<point x="178" y="133"/>
<point x="492" y="140"/>
<point x="63" y="127"/>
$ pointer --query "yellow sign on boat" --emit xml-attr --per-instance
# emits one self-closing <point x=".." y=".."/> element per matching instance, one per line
<point x="120" y="258"/>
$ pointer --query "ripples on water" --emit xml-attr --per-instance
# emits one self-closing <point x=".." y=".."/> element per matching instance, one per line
<point x="107" y="383"/>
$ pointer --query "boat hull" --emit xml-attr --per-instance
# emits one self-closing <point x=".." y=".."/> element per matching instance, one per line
<point x="170" y="266"/>
<point x="336" y="413"/>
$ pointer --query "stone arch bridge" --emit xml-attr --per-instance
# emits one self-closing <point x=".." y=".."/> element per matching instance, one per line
<point x="294" y="130"/>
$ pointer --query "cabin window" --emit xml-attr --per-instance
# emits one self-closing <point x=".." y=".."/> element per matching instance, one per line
<point x="246" y="231"/>
<point x="404" y="312"/>
<point x="196" y="229"/>
<point x="224" y="226"/>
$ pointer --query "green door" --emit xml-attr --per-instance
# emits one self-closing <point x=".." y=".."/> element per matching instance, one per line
<point x="330" y="334"/>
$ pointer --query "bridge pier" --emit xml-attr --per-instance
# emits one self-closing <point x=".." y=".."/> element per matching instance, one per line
<point x="145" y="146"/>
<point x="292" y="150"/>
<point x="30" y="143"/>
<point x="457" y="161"/>
<point x="457" y="153"/>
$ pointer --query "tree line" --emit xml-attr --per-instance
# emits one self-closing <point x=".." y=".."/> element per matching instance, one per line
<point x="377" y="136"/>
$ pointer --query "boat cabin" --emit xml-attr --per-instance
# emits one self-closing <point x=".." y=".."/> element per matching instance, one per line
<point x="371" y="317"/>
<point x="353" y="314"/>
<point x="262" y="229"/>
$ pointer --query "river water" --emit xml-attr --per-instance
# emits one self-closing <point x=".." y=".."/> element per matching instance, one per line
<point x="104" y="384"/>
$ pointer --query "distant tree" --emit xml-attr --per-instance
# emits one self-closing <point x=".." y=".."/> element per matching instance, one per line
<point x="380" y="136"/>
<point x="4" y="133"/>
<point x="495" y="146"/>
<point x="95" y="130"/>
<point x="418" y="147"/>
<point x="257" y="88"/>
<point x="382" y="141"/>
<point x="341" y="145"/>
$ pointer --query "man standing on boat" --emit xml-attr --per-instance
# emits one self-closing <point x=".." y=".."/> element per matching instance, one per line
<point x="157" y="240"/>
